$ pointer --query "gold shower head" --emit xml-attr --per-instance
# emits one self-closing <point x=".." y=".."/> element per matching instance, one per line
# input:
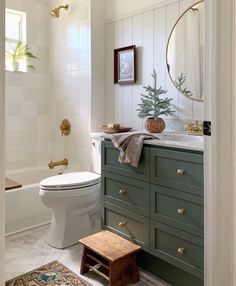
<point x="56" y="11"/>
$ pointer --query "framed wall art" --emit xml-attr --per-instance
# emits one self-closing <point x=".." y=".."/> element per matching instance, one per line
<point x="125" y="65"/>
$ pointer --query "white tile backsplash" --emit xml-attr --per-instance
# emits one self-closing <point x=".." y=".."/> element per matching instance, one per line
<point x="27" y="94"/>
<point x="70" y="72"/>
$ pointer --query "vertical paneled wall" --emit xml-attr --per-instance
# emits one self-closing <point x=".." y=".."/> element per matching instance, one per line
<point x="149" y="31"/>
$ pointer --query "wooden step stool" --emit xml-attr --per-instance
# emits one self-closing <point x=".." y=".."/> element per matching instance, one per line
<point x="116" y="255"/>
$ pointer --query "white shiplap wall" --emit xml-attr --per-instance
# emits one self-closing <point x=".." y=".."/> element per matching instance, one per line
<point x="149" y="31"/>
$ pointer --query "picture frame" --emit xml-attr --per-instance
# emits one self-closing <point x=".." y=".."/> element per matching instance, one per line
<point x="125" y="65"/>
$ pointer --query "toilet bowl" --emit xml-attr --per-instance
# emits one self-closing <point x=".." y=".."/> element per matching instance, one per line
<point x="72" y="197"/>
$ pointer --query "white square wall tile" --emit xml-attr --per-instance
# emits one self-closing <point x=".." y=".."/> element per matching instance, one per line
<point x="29" y="80"/>
<point x="73" y="32"/>
<point x="30" y="93"/>
<point x="84" y="29"/>
<point x="30" y="123"/>
<point x="43" y="107"/>
<point x="43" y="155"/>
<point x="14" y="94"/>
<point x="14" y="108"/>
<point x="42" y="39"/>
<point x="30" y="152"/>
<point x="29" y="137"/>
<point x="14" y="138"/>
<point x="30" y="108"/>
<point x="14" y="123"/>
<point x="14" y="79"/>
<point x="14" y="153"/>
<point x="56" y="151"/>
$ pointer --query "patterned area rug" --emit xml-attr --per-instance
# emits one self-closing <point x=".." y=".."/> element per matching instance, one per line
<point x="51" y="274"/>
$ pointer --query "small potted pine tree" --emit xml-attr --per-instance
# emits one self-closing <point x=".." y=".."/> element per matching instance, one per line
<point x="152" y="106"/>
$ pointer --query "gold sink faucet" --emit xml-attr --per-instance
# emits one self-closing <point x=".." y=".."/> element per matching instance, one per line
<point x="64" y="162"/>
<point x="194" y="128"/>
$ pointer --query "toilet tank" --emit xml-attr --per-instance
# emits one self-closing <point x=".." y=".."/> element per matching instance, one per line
<point x="96" y="153"/>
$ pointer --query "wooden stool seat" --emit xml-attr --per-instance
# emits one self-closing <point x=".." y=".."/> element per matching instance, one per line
<point x="116" y="255"/>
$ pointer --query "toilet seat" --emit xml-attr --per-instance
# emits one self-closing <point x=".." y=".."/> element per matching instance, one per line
<point x="70" y="181"/>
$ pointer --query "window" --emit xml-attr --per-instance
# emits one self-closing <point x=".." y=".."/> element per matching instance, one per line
<point x="15" y="32"/>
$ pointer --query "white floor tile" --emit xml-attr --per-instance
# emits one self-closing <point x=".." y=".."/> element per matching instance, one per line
<point x="29" y="250"/>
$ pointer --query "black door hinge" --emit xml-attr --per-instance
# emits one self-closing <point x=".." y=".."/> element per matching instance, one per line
<point x="207" y="128"/>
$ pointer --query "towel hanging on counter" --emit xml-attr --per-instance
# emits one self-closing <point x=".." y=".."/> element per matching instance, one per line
<point x="130" y="146"/>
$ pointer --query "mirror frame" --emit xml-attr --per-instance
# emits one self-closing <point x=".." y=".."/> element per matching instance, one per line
<point x="167" y="46"/>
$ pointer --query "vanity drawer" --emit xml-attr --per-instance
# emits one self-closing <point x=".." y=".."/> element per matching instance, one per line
<point x="110" y="162"/>
<point x="127" y="193"/>
<point x="177" y="170"/>
<point x="181" y="210"/>
<point x="177" y="247"/>
<point x="127" y="224"/>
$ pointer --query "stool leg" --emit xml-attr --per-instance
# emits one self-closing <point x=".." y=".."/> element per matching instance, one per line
<point x="86" y="261"/>
<point x="134" y="275"/>
<point x="124" y="271"/>
<point x="115" y="275"/>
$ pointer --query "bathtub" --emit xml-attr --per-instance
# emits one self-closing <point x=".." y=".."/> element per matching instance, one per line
<point x="24" y="209"/>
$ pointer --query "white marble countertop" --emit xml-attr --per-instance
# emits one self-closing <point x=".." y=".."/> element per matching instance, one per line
<point x="167" y="139"/>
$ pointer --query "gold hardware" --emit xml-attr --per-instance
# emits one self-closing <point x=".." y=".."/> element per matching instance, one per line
<point x="180" y="172"/>
<point x="122" y="224"/>
<point x="122" y="192"/>
<point x="181" y="211"/>
<point x="65" y="127"/>
<point x="64" y="162"/>
<point x="56" y="11"/>
<point x="181" y="251"/>
<point x="194" y="128"/>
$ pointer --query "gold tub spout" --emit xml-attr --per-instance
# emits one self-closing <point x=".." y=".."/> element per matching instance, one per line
<point x="64" y="162"/>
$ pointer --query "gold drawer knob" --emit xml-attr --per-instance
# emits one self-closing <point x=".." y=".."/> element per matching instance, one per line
<point x="181" y="211"/>
<point x="181" y="251"/>
<point x="122" y="224"/>
<point x="122" y="192"/>
<point x="180" y="172"/>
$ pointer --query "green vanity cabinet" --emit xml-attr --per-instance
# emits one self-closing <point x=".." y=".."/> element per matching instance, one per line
<point x="127" y="224"/>
<point x="126" y="193"/>
<point x="178" y="209"/>
<point x="110" y="163"/>
<point x="177" y="247"/>
<point x="158" y="205"/>
<point x="177" y="169"/>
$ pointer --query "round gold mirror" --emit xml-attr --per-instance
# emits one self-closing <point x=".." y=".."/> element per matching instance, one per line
<point x="185" y="53"/>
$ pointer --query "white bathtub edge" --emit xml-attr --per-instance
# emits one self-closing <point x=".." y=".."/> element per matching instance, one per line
<point x="27" y="228"/>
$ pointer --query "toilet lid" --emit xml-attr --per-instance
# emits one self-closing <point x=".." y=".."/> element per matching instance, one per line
<point x="70" y="181"/>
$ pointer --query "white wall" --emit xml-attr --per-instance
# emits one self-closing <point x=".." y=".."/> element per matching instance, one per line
<point x="27" y="94"/>
<point x="38" y="101"/>
<point x="2" y="153"/>
<point x="98" y="107"/>
<point x="70" y="51"/>
<point x="119" y="8"/>
<point x="149" y="31"/>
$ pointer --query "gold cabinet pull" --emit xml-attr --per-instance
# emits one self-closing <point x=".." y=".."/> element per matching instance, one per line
<point x="122" y="224"/>
<point x="181" y="251"/>
<point x="122" y="192"/>
<point x="181" y="211"/>
<point x="180" y="172"/>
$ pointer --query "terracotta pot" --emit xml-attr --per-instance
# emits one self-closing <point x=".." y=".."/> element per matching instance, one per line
<point x="155" y="125"/>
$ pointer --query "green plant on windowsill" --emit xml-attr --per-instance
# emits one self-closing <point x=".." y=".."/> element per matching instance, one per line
<point x="20" y="52"/>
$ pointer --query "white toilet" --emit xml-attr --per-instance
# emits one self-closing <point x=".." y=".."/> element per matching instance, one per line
<point x="72" y="197"/>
